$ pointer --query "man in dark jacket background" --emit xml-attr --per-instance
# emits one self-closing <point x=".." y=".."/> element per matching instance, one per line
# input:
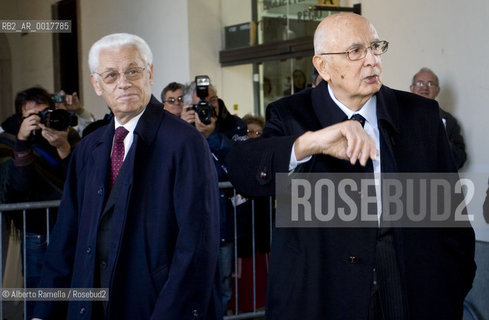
<point x="426" y="84"/>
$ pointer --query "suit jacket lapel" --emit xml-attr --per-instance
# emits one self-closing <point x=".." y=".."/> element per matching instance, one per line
<point x="100" y="162"/>
<point x="388" y="121"/>
<point x="326" y="110"/>
<point x="150" y="121"/>
<point x="144" y="134"/>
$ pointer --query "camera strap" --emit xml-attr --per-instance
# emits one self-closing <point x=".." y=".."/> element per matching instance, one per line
<point x="223" y="167"/>
<point x="46" y="156"/>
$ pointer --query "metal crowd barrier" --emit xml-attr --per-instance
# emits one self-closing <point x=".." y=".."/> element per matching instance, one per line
<point x="255" y="312"/>
<point x="22" y="207"/>
<point x="49" y="205"/>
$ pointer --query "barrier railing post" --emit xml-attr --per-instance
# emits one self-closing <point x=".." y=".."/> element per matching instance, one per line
<point x="1" y="263"/>
<point x="236" y="294"/>
<point x="253" y="251"/>
<point x="24" y="254"/>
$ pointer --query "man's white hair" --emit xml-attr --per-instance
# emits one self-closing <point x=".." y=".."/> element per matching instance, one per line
<point x="118" y="40"/>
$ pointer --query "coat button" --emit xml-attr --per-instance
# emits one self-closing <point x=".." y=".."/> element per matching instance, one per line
<point x="195" y="313"/>
<point x="100" y="191"/>
<point x="353" y="260"/>
<point x="83" y="310"/>
<point x="89" y="250"/>
<point x="263" y="175"/>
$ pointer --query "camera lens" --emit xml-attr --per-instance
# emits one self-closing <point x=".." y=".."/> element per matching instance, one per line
<point x="58" y="119"/>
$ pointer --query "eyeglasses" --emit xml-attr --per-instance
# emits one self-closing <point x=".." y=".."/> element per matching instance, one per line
<point x="256" y="133"/>
<point x="131" y="74"/>
<point x="422" y="84"/>
<point x="360" y="52"/>
<point x="172" y="100"/>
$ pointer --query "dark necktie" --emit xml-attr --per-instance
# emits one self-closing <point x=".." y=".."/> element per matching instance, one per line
<point x="358" y="117"/>
<point x="117" y="157"/>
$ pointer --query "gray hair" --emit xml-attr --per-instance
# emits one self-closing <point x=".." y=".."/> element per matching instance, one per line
<point x="428" y="70"/>
<point x="118" y="40"/>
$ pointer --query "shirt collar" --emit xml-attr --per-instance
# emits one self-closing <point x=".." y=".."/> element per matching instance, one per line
<point x="131" y="124"/>
<point x="368" y="111"/>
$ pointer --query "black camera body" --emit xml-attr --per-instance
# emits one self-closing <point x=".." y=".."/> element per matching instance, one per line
<point x="205" y="111"/>
<point x="58" y="119"/>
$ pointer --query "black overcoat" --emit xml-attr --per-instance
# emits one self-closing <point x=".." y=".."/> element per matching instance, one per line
<point x="312" y="275"/>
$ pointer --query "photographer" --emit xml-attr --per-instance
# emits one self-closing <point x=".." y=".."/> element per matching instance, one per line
<point x="37" y="169"/>
<point x="221" y="131"/>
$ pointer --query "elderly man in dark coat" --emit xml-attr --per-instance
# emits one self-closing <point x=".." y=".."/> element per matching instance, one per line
<point x="139" y="214"/>
<point x="356" y="273"/>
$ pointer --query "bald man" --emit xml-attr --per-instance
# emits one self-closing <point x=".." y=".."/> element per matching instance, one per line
<point x="321" y="272"/>
<point x="425" y="83"/>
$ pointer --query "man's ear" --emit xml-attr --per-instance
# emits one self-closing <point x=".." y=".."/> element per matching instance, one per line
<point x="96" y="85"/>
<point x="151" y="74"/>
<point x="411" y="88"/>
<point x="321" y="66"/>
<point x="437" y="90"/>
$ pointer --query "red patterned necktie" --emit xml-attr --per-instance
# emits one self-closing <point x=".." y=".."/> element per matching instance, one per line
<point x="117" y="157"/>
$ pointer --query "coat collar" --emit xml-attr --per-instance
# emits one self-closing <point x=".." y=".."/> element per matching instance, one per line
<point x="147" y="125"/>
<point x="388" y="108"/>
<point x="326" y="110"/>
<point x="150" y="121"/>
<point x="145" y="132"/>
<point x="328" y="113"/>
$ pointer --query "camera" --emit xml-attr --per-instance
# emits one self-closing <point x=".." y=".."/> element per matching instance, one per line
<point x="58" y="119"/>
<point x="59" y="97"/>
<point x="204" y="109"/>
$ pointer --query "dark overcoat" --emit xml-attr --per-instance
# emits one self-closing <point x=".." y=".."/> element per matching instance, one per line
<point x="164" y="237"/>
<point x="312" y="273"/>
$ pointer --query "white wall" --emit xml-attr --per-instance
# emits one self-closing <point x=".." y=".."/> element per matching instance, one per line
<point x="205" y="40"/>
<point x="237" y="87"/>
<point x="31" y="54"/>
<point x="163" y="24"/>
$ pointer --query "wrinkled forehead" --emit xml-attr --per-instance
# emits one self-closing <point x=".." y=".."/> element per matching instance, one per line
<point x="345" y="30"/>
<point x="120" y="57"/>
<point x="427" y="76"/>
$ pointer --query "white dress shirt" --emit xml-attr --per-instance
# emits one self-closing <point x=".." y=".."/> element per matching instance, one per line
<point x="369" y="112"/>
<point x="129" y="126"/>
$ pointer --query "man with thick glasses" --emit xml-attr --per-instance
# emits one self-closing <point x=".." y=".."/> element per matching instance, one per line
<point x="139" y="214"/>
<point x="352" y="123"/>
<point x="172" y="98"/>
<point x="425" y="83"/>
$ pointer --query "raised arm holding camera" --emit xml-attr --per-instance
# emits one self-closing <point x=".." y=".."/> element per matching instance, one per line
<point x="33" y="123"/>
